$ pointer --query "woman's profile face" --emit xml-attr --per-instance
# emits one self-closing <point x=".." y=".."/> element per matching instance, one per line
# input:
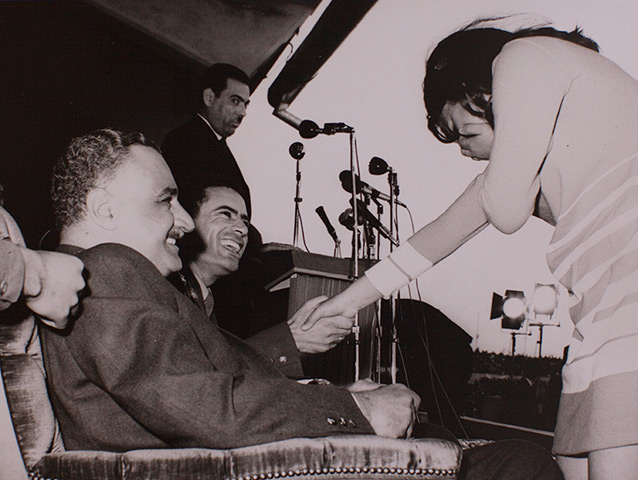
<point x="475" y="133"/>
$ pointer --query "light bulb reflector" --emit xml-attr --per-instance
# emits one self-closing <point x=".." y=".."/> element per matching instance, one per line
<point x="513" y="307"/>
<point x="545" y="299"/>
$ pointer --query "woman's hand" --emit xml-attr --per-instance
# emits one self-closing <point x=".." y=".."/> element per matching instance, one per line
<point x="325" y="335"/>
<point x="345" y="304"/>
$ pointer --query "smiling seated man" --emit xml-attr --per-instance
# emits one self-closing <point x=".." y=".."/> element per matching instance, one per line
<point x="141" y="366"/>
<point x="214" y="250"/>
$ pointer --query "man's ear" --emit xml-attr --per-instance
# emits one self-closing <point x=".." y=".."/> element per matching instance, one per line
<point x="99" y="207"/>
<point x="208" y="96"/>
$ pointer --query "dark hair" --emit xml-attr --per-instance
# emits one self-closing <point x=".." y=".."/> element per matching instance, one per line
<point x="197" y="192"/>
<point x="192" y="199"/>
<point x="217" y="75"/>
<point x="88" y="162"/>
<point x="459" y="70"/>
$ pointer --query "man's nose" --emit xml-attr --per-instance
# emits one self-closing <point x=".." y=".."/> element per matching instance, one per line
<point x="182" y="219"/>
<point x="241" y="227"/>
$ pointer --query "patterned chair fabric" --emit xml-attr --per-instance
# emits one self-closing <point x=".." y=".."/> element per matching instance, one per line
<point x="336" y="457"/>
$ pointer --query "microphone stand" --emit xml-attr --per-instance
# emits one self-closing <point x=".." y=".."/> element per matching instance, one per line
<point x="371" y="246"/>
<point x="356" y="330"/>
<point x="298" y="200"/>
<point x="337" y="250"/>
<point x="394" y="301"/>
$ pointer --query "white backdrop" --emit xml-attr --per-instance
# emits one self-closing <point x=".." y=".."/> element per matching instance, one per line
<point x="373" y="83"/>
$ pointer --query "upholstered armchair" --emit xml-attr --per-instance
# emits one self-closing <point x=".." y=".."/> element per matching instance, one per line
<point x="32" y="447"/>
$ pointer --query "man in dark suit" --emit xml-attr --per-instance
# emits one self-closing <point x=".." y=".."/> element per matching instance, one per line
<point x="213" y="251"/>
<point x="198" y="148"/>
<point x="141" y="366"/>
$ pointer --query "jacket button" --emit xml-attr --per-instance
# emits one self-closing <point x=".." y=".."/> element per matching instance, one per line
<point x="352" y="423"/>
<point x="3" y="288"/>
<point x="283" y="359"/>
<point x="342" y="422"/>
<point x="331" y="421"/>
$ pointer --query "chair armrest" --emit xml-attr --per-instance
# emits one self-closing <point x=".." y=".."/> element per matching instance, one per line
<point x="335" y="457"/>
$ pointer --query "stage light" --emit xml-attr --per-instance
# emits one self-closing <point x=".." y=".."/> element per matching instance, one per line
<point x="511" y="309"/>
<point x="544" y="299"/>
<point x="515" y="311"/>
<point x="514" y="307"/>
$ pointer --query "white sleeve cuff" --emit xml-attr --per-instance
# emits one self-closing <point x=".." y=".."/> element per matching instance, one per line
<point x="397" y="269"/>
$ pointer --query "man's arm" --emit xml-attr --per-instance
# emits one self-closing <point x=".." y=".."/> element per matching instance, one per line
<point x="282" y="343"/>
<point x="152" y="364"/>
<point x="48" y="281"/>
<point x="278" y="346"/>
<point x="11" y="273"/>
<point x="180" y="377"/>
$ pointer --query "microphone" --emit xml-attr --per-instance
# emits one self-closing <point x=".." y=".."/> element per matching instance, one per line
<point x="374" y="222"/>
<point x="332" y="128"/>
<point x="347" y="219"/>
<point x="309" y="129"/>
<point x="324" y="218"/>
<point x="362" y="187"/>
<point x="378" y="166"/>
<point x="296" y="150"/>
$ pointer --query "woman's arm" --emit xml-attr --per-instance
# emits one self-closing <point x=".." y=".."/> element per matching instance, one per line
<point x="529" y="85"/>
<point x="528" y="88"/>
<point x="435" y="241"/>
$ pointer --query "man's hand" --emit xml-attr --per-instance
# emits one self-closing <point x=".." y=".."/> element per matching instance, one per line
<point x="363" y="385"/>
<point x="324" y="335"/>
<point x="390" y="409"/>
<point x="345" y="304"/>
<point x="51" y="284"/>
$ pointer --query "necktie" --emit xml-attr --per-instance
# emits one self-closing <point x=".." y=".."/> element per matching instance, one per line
<point x="209" y="303"/>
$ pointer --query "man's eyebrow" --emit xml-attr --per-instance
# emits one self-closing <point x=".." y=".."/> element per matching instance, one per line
<point x="232" y="210"/>
<point x="171" y="191"/>
<point x="245" y="100"/>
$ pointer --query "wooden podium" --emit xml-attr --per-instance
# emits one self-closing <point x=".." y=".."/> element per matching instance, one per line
<point x="308" y="275"/>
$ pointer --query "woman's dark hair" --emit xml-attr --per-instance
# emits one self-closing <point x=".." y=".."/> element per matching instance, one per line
<point x="459" y="70"/>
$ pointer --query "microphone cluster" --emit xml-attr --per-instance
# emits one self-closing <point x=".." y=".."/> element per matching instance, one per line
<point x="362" y="187"/>
<point x="377" y="166"/>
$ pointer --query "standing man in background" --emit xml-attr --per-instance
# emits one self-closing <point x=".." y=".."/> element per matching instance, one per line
<point x="199" y="146"/>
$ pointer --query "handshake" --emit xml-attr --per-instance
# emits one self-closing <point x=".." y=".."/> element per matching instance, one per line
<point x="390" y="409"/>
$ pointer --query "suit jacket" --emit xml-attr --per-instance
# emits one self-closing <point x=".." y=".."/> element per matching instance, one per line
<point x="276" y="343"/>
<point x="193" y="150"/>
<point x="142" y="367"/>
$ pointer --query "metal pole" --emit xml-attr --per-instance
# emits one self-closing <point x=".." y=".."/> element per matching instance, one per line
<point x="298" y="200"/>
<point x="355" y="257"/>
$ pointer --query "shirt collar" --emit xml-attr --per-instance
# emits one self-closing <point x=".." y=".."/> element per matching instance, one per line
<point x="202" y="287"/>
<point x="219" y="137"/>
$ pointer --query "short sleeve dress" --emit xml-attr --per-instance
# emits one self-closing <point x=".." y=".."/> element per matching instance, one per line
<point x="566" y="127"/>
<point x="566" y="122"/>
